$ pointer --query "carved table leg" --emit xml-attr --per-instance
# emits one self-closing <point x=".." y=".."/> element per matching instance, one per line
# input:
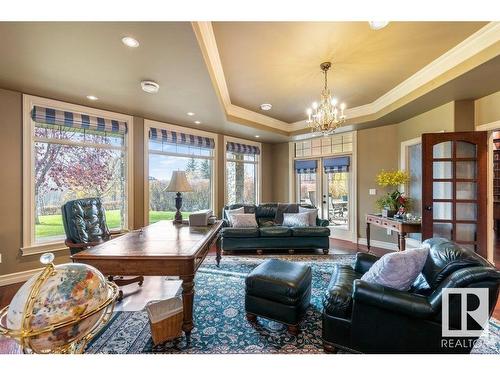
<point x="399" y="241"/>
<point x="368" y="237"/>
<point x="251" y="317"/>
<point x="187" y="302"/>
<point x="329" y="348"/>
<point x="218" y="255"/>
<point x="402" y="241"/>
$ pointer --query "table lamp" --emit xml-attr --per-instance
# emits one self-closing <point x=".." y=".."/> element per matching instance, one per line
<point x="178" y="184"/>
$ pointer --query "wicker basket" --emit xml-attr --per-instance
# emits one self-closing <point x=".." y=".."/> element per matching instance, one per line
<point x="165" y="319"/>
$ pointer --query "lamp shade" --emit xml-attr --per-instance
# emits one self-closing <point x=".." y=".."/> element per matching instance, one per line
<point x="179" y="182"/>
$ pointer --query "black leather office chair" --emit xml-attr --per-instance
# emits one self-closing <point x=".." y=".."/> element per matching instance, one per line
<point x="85" y="226"/>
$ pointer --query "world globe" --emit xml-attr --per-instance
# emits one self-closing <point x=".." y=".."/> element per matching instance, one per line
<point x="59" y="309"/>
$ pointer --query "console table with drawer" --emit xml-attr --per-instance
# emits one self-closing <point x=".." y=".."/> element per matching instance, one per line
<point x="401" y="227"/>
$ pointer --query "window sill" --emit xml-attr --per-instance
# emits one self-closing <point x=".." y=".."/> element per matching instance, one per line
<point x="43" y="248"/>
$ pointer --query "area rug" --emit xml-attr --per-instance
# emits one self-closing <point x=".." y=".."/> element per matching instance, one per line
<point x="220" y="323"/>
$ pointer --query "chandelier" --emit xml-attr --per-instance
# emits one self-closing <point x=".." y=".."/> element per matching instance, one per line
<point x="326" y="116"/>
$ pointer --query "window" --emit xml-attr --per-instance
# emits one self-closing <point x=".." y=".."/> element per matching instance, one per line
<point x="171" y="148"/>
<point x="70" y="153"/>
<point x="242" y="172"/>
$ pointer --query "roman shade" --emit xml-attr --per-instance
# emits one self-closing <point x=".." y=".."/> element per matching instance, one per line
<point x="50" y="117"/>
<point x="170" y="136"/>
<point x="334" y="165"/>
<point x="241" y="148"/>
<point x="306" y="166"/>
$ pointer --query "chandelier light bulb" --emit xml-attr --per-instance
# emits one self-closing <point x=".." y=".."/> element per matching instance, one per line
<point x="334" y="101"/>
<point x="315" y="105"/>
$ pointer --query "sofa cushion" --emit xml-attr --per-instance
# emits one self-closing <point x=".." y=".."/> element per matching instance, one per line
<point x="265" y="222"/>
<point x="338" y="299"/>
<point x="275" y="231"/>
<point x="240" y="232"/>
<point x="445" y="258"/>
<point x="230" y="213"/>
<point x="397" y="270"/>
<point x="291" y="208"/>
<point x="279" y="281"/>
<point x="266" y="211"/>
<point x="310" y="231"/>
<point x="296" y="220"/>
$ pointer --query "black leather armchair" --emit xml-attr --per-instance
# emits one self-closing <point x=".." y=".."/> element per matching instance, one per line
<point x="85" y="225"/>
<point x="369" y="318"/>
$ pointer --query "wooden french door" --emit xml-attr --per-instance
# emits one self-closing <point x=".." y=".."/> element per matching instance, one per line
<point x="454" y="188"/>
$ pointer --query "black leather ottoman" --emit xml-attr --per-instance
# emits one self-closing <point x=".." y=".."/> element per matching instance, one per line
<point x="280" y="291"/>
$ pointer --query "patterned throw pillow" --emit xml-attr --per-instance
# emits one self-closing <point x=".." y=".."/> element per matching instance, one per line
<point x="313" y="214"/>
<point x="231" y="213"/>
<point x="244" y="221"/>
<point x="397" y="270"/>
<point x="296" y="220"/>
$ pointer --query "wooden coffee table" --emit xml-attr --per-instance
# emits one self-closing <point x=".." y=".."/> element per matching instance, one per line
<point x="160" y="249"/>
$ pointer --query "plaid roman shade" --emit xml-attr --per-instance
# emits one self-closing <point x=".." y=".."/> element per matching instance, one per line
<point x="306" y="166"/>
<point x="170" y="136"/>
<point x="240" y="148"/>
<point x="334" y="165"/>
<point x="51" y="117"/>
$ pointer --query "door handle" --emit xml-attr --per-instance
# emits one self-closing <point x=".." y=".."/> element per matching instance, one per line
<point x="324" y="202"/>
<point x="428" y="208"/>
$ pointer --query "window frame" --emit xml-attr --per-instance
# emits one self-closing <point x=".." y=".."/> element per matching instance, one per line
<point x="29" y="246"/>
<point x="163" y="125"/>
<point x="258" y="163"/>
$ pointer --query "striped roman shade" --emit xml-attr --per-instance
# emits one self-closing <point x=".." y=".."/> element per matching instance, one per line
<point x="54" y="117"/>
<point x="240" y="148"/>
<point x="339" y="164"/>
<point x="306" y="166"/>
<point x="169" y="136"/>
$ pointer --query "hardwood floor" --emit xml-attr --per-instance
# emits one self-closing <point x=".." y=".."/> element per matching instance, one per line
<point x="160" y="287"/>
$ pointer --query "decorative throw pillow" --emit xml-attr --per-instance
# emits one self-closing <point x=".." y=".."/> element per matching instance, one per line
<point x="282" y="208"/>
<point x="244" y="221"/>
<point x="397" y="270"/>
<point x="231" y="213"/>
<point x="313" y="214"/>
<point x="296" y="220"/>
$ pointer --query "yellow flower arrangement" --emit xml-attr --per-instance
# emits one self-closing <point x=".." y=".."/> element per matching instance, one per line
<point x="392" y="178"/>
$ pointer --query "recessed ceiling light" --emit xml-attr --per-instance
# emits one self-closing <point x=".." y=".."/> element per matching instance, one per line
<point x="150" y="87"/>
<point x="266" y="106"/>
<point x="190" y="113"/>
<point x="130" y="42"/>
<point x="257" y="136"/>
<point x="197" y="122"/>
<point x="377" y="25"/>
<point x="92" y="97"/>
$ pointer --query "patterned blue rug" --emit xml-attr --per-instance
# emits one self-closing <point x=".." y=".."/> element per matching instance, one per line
<point x="220" y="323"/>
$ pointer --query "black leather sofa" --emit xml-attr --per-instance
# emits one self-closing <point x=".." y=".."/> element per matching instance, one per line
<point x="271" y="236"/>
<point x="368" y="318"/>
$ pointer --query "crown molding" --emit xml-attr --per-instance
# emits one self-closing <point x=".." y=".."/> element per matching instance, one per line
<point x="478" y="48"/>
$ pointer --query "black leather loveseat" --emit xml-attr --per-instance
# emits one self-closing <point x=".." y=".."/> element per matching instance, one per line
<point x="369" y="318"/>
<point x="269" y="235"/>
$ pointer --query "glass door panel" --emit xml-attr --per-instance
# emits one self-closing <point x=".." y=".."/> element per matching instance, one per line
<point x="307" y="188"/>
<point x="454" y="191"/>
<point x="337" y="196"/>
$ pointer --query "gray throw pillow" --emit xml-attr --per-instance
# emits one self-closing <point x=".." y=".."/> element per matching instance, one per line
<point x="313" y="214"/>
<point x="231" y="213"/>
<point x="244" y="221"/>
<point x="296" y="220"/>
<point x="282" y="208"/>
<point x="397" y="270"/>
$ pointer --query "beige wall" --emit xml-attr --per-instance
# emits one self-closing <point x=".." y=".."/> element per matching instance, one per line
<point x="11" y="184"/>
<point x="377" y="150"/>
<point x="487" y="109"/>
<point x="280" y="172"/>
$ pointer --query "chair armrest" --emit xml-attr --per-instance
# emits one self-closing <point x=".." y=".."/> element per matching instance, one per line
<point x="391" y="299"/>
<point x="73" y="245"/>
<point x="322" y="222"/>
<point x="364" y="262"/>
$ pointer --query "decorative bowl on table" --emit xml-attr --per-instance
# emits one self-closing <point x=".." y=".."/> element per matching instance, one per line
<point x="59" y="309"/>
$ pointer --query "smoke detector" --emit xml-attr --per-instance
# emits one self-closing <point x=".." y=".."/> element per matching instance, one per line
<point x="266" y="106"/>
<point x="150" y="87"/>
